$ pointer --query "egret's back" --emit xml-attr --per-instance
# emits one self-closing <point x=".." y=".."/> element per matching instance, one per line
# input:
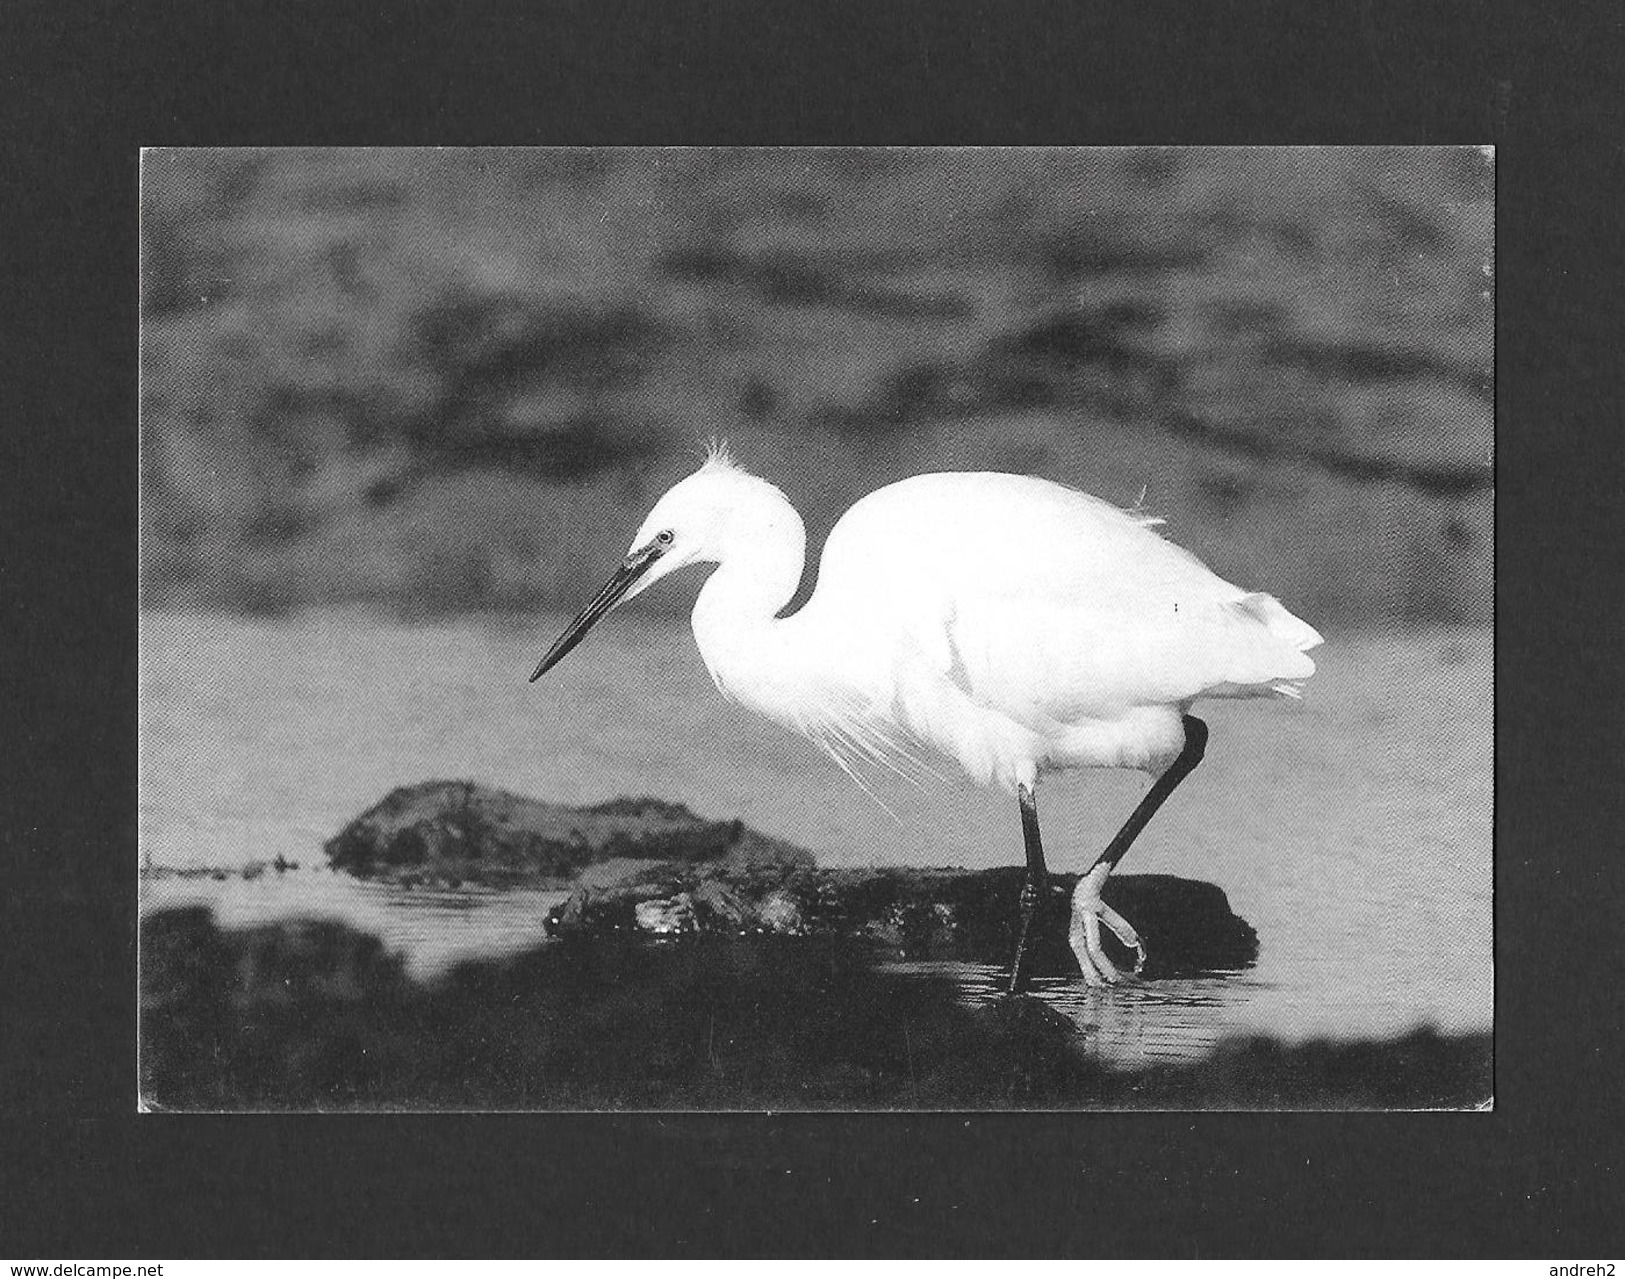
<point x="1049" y="605"/>
<point x="987" y="533"/>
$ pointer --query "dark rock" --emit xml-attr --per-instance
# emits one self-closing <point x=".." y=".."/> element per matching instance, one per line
<point x="1187" y="926"/>
<point x="724" y="908"/>
<point x="647" y="866"/>
<point x="461" y="832"/>
<point x="664" y="916"/>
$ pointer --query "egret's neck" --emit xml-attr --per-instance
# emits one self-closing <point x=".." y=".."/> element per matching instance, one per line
<point x="758" y="570"/>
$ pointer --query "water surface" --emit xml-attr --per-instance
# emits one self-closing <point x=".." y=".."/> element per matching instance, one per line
<point x="1352" y="830"/>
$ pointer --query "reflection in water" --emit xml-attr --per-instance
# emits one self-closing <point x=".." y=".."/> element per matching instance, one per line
<point x="432" y="929"/>
<point x="1129" y="1026"/>
<point x="1159" y="1023"/>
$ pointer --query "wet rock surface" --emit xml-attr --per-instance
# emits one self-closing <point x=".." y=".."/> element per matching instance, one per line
<point x="650" y="868"/>
<point x="1187" y="925"/>
<point x="456" y="833"/>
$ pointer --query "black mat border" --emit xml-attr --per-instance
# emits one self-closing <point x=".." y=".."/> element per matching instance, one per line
<point x="86" y="1177"/>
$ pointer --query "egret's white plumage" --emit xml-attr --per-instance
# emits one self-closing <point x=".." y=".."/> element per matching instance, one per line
<point x="1011" y="624"/>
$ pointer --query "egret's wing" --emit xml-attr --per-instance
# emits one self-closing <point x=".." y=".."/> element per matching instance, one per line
<point x="1047" y="604"/>
<point x="985" y="535"/>
<point x="1045" y="664"/>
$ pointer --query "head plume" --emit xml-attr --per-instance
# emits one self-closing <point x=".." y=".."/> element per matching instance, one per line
<point x="719" y="457"/>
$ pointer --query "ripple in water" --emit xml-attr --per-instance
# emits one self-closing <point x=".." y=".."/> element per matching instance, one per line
<point x="1132" y="1025"/>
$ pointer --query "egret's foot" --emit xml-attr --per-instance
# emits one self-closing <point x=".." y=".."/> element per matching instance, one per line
<point x="1088" y="913"/>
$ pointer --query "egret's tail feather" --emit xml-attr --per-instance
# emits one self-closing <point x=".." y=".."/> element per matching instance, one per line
<point x="1269" y="611"/>
<point x="1266" y="650"/>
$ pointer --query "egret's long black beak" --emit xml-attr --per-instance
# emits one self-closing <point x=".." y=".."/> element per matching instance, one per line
<point x="631" y="568"/>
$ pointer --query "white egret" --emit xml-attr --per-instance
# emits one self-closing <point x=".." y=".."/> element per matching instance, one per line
<point x="1014" y="625"/>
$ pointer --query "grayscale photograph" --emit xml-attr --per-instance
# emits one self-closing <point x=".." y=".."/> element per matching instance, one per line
<point x="840" y="629"/>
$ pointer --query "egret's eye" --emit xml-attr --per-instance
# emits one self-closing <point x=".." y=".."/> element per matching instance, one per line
<point x="664" y="537"/>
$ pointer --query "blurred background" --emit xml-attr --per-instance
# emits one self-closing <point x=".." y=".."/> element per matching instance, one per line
<point x="448" y="380"/>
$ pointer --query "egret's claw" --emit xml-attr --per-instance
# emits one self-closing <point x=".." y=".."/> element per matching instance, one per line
<point x="1088" y="913"/>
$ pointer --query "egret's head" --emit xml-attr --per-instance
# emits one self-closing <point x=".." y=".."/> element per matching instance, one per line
<point x="694" y="522"/>
<point x="689" y="524"/>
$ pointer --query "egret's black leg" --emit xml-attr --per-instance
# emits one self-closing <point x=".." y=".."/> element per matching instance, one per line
<point x="1032" y="891"/>
<point x="1088" y="911"/>
<point x="1195" y="747"/>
